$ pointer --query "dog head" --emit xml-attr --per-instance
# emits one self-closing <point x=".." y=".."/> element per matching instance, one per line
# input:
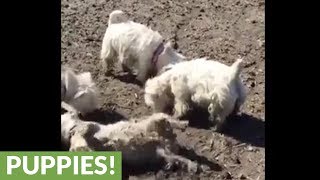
<point x="150" y="92"/>
<point x="85" y="97"/>
<point x="155" y="95"/>
<point x="169" y="56"/>
<point x="85" y="100"/>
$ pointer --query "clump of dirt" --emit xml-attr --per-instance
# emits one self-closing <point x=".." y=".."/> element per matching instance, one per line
<point x="221" y="30"/>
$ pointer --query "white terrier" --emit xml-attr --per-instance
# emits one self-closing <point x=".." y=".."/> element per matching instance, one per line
<point x="136" y="46"/>
<point x="147" y="139"/>
<point x="207" y="84"/>
<point x="79" y="91"/>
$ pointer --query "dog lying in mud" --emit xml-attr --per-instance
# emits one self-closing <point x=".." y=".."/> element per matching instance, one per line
<point x="205" y="83"/>
<point x="144" y="140"/>
<point x="79" y="90"/>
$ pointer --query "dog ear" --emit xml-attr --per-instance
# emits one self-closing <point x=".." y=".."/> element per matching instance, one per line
<point x="71" y="83"/>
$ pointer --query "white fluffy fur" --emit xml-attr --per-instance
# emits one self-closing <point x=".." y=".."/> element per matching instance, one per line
<point x="134" y="44"/>
<point x="79" y="90"/>
<point x="208" y="84"/>
<point x="142" y="140"/>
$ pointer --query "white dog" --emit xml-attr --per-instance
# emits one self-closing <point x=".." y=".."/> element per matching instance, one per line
<point x="136" y="46"/>
<point x="79" y="90"/>
<point x="142" y="140"/>
<point x="208" y="84"/>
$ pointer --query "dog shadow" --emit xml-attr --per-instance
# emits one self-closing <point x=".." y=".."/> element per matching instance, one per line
<point x="198" y="118"/>
<point x="104" y="116"/>
<point x="128" y="78"/>
<point x="128" y="170"/>
<point x="245" y="128"/>
<point x="190" y="154"/>
<point x="154" y="168"/>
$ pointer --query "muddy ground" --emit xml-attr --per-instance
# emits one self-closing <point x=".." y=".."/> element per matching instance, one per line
<point x="219" y="29"/>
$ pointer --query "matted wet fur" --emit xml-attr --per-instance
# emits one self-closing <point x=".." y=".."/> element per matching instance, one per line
<point x="143" y="140"/>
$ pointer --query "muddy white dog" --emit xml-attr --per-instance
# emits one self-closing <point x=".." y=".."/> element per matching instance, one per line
<point x="79" y="90"/>
<point x="136" y="46"/>
<point x="205" y="83"/>
<point x="141" y="141"/>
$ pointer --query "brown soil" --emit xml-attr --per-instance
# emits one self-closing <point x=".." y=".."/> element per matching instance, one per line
<point x="221" y="30"/>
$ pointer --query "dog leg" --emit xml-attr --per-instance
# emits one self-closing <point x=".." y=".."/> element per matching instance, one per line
<point x="107" y="57"/>
<point x="160" y="105"/>
<point x="144" y="69"/>
<point x="180" y="90"/>
<point x="78" y="143"/>
<point x="181" y="108"/>
<point x="199" y="96"/>
<point x="80" y="136"/>
<point x="237" y="106"/>
<point x="241" y="96"/>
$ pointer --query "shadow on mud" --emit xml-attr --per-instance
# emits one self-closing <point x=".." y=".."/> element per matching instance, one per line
<point x="156" y="167"/>
<point x="244" y="127"/>
<point x="104" y="116"/>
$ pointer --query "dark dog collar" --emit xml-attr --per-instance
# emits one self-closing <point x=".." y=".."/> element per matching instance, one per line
<point x="156" y="53"/>
<point x="154" y="59"/>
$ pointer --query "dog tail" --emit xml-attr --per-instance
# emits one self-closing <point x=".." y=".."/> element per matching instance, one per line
<point x="117" y="16"/>
<point x="235" y="68"/>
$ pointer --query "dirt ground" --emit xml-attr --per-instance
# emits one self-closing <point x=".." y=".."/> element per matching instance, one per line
<point x="218" y="29"/>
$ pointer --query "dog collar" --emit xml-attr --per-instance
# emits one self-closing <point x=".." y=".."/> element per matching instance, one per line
<point x="156" y="53"/>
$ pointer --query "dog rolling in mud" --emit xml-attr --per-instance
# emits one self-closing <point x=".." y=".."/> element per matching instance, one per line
<point x="136" y="46"/>
<point x="141" y="141"/>
<point x="205" y="83"/>
<point x="79" y="91"/>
